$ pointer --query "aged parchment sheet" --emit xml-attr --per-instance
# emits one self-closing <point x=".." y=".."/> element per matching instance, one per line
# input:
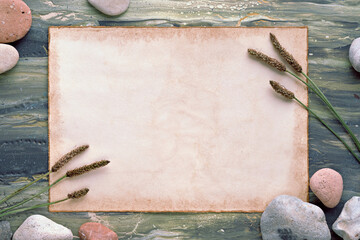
<point x="186" y="117"/>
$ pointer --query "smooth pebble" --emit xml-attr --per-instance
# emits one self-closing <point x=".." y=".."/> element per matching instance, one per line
<point x="288" y="217"/>
<point x="38" y="227"/>
<point x="354" y="54"/>
<point x="327" y="185"/>
<point x="347" y="225"/>
<point x="9" y="57"/>
<point x="95" y="231"/>
<point x="15" y="20"/>
<point x="111" y="7"/>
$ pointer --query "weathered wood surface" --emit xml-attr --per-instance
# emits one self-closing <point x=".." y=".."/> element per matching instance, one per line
<point x="23" y="102"/>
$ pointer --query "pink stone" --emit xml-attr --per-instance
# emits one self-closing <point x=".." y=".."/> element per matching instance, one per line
<point x="96" y="231"/>
<point x="327" y="185"/>
<point x="15" y="20"/>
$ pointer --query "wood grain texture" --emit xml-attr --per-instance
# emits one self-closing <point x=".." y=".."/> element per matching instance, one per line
<point x="333" y="24"/>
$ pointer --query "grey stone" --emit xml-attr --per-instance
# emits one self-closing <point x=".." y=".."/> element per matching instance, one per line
<point x="5" y="231"/>
<point x="354" y="54"/>
<point x="9" y="57"/>
<point x="38" y="227"/>
<point x="111" y="7"/>
<point x="288" y="217"/>
<point x="347" y="225"/>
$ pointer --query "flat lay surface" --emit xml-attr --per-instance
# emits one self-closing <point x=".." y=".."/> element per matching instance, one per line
<point x="332" y="25"/>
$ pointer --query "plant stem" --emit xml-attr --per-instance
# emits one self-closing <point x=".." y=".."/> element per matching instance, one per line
<point x="24" y="187"/>
<point x="34" y="196"/>
<point x="321" y="95"/>
<point x="328" y="127"/>
<point x="32" y="207"/>
<point x="304" y="82"/>
<point x="332" y="109"/>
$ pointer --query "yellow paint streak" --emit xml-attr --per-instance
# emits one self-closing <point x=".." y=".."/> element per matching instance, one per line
<point x="238" y="24"/>
<point x="271" y="18"/>
<point x="221" y="17"/>
<point x="254" y="14"/>
<point x="21" y="179"/>
<point x="252" y="217"/>
<point x="26" y="179"/>
<point x="46" y="51"/>
<point x="32" y="124"/>
<point x="17" y="117"/>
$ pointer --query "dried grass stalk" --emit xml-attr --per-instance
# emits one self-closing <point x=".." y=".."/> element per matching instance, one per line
<point x="282" y="90"/>
<point x="78" y="194"/>
<point x="87" y="168"/>
<point x="285" y="54"/>
<point x="67" y="157"/>
<point x="269" y="60"/>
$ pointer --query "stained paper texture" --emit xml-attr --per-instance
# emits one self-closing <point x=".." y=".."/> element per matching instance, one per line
<point x="186" y="117"/>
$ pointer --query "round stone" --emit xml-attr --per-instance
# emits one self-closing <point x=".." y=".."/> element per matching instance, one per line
<point x="288" y="217"/>
<point x="327" y="185"/>
<point x="38" y="227"/>
<point x="354" y="54"/>
<point x="15" y="20"/>
<point x="94" y="231"/>
<point x="347" y="225"/>
<point x="9" y="57"/>
<point x="111" y="7"/>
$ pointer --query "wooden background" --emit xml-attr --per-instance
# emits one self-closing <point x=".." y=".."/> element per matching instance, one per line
<point x="23" y="101"/>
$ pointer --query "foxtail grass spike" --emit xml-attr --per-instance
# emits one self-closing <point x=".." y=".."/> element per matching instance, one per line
<point x="285" y="54"/>
<point x="67" y="157"/>
<point x="78" y="194"/>
<point x="269" y="60"/>
<point x="282" y="90"/>
<point x="87" y="168"/>
<point x="59" y="164"/>
<point x="74" y="195"/>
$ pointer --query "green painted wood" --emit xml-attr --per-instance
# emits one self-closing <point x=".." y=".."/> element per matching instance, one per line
<point x="333" y="24"/>
<point x="152" y="225"/>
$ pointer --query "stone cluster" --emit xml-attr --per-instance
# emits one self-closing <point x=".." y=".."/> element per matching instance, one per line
<point x="38" y="227"/>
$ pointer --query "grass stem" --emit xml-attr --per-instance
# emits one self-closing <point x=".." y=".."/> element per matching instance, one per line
<point x="32" y="207"/>
<point x="318" y="92"/>
<point x="24" y="187"/>
<point x="328" y="127"/>
<point x="32" y="197"/>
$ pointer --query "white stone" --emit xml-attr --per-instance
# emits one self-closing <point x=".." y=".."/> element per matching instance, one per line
<point x="111" y="7"/>
<point x="354" y="54"/>
<point x="9" y="57"/>
<point x="347" y="225"/>
<point x="288" y="217"/>
<point x="38" y="227"/>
